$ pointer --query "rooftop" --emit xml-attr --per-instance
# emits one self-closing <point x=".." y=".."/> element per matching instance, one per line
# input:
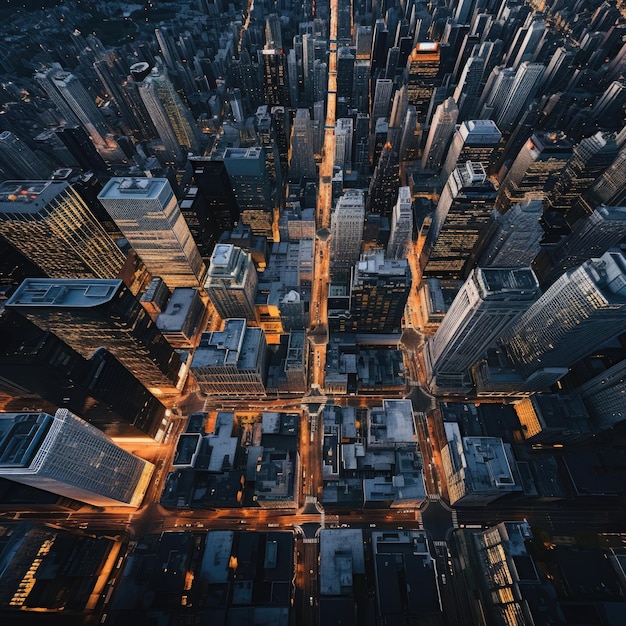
<point x="64" y="292"/>
<point x="131" y="187"/>
<point x="28" y="196"/>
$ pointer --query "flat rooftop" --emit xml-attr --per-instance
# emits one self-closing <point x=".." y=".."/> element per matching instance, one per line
<point x="64" y="292"/>
<point x="22" y="197"/>
<point x="133" y="187"/>
<point x="21" y="435"/>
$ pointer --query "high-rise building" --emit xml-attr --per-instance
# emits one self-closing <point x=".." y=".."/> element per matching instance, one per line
<point x="275" y="77"/>
<point x="535" y="169"/>
<point x="89" y="314"/>
<point x="462" y="217"/>
<point x="53" y="227"/>
<point x="251" y="183"/>
<point x="302" y="162"/>
<point x="401" y="225"/>
<point x="233" y="361"/>
<point x="440" y="134"/>
<point x="385" y="182"/>
<point x="74" y="102"/>
<point x="99" y="389"/>
<point x="231" y="282"/>
<point x="381" y="99"/>
<point x="343" y="143"/>
<point x="346" y="227"/>
<point x="78" y="144"/>
<point x="380" y="289"/>
<point x="516" y="236"/>
<point x="528" y="48"/>
<point x="604" y="394"/>
<point x="467" y="90"/>
<point x="595" y="235"/>
<point x="147" y="213"/>
<point x="63" y="454"/>
<point x="476" y="141"/>
<point x="18" y="159"/>
<point x="423" y="70"/>
<point x="171" y="118"/>
<point x="360" y="86"/>
<point x="214" y="208"/>
<point x="582" y="309"/>
<point x="519" y="96"/>
<point x="489" y="302"/>
<point x="590" y="158"/>
<point x="609" y="188"/>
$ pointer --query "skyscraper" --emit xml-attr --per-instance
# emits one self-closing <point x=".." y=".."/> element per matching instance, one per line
<point x="440" y="134"/>
<point x="535" y="169"/>
<point x="275" y="77"/>
<point x="346" y="227"/>
<point x="476" y="141"/>
<point x="51" y="225"/>
<point x="147" y="213"/>
<point x="302" y="162"/>
<point x="401" y="225"/>
<point x="88" y="314"/>
<point x="582" y="309"/>
<point x="17" y="158"/>
<point x="171" y="118"/>
<point x="384" y="183"/>
<point x="380" y="288"/>
<point x="516" y="236"/>
<point x="231" y="282"/>
<point x="490" y="300"/>
<point x="99" y="389"/>
<point x="519" y="96"/>
<point x="423" y="70"/>
<point x="251" y="183"/>
<point x="461" y="219"/>
<point x="65" y="455"/>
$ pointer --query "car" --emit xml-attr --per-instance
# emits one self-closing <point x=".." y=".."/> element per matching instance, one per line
<point x="311" y="600"/>
<point x="372" y="525"/>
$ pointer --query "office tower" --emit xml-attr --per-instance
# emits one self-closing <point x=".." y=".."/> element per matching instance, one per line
<point x="464" y="11"/>
<point x="273" y="33"/>
<point x="401" y="226"/>
<point x="293" y="78"/>
<point x="90" y="313"/>
<point x="282" y="127"/>
<point x="589" y="159"/>
<point x="516" y="236"/>
<point x="346" y="227"/>
<point x="74" y="102"/>
<point x="380" y="45"/>
<point x="147" y="213"/>
<point x="594" y="235"/>
<point x="214" y="208"/>
<point x="231" y="282"/>
<point x="99" y="389"/>
<point x="266" y="130"/>
<point x="76" y="140"/>
<point x="363" y="41"/>
<point x="535" y="169"/>
<point x="275" y="77"/>
<point x="345" y="78"/>
<point x="232" y="362"/>
<point x="467" y="91"/>
<point x="582" y="309"/>
<point x="360" y="86"/>
<point x="67" y="456"/>
<point x="462" y="217"/>
<point x="489" y="302"/>
<point x="343" y="143"/>
<point x="171" y="118"/>
<point x="423" y="69"/>
<point x="380" y="136"/>
<point x="411" y="138"/>
<point x="385" y="183"/>
<point x="251" y="183"/>
<point x="382" y="99"/>
<point x="603" y="395"/>
<point x="610" y="103"/>
<point x="380" y="288"/>
<point x="440" y="134"/>
<point x="399" y="108"/>
<point x="609" y="188"/>
<point x="19" y="160"/>
<point x="522" y="91"/>
<point x="495" y="92"/>
<point x="53" y="227"/>
<point x="361" y="159"/>
<point x="528" y="48"/>
<point x="476" y="141"/>
<point x="302" y="162"/>
<point x="557" y="71"/>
